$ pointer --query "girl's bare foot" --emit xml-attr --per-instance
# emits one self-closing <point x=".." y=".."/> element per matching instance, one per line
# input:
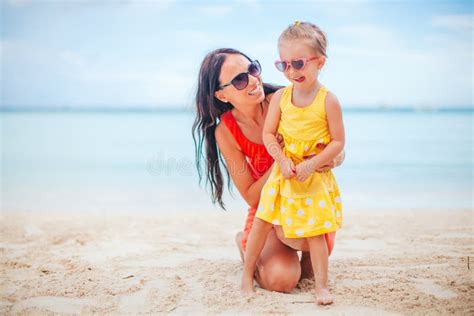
<point x="306" y="266"/>
<point x="323" y="297"/>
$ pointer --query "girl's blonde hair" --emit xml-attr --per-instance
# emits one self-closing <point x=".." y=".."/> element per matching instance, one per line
<point x="313" y="35"/>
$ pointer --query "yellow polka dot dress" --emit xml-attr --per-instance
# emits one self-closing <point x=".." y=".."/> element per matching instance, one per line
<point x="312" y="207"/>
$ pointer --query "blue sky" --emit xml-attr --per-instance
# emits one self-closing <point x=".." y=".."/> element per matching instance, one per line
<point x="147" y="53"/>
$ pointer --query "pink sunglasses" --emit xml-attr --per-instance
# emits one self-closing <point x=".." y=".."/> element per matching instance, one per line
<point x="297" y="64"/>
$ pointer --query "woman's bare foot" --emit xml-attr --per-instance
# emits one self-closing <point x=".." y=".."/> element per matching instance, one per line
<point x="306" y="266"/>
<point x="323" y="297"/>
<point x="247" y="286"/>
<point x="238" y="241"/>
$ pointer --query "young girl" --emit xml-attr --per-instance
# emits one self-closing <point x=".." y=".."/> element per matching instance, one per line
<point x="305" y="204"/>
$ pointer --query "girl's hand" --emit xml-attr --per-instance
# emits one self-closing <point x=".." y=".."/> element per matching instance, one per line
<point x="280" y="140"/>
<point x="287" y="168"/>
<point x="304" y="170"/>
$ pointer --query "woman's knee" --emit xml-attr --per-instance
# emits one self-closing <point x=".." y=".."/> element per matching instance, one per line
<point x="281" y="277"/>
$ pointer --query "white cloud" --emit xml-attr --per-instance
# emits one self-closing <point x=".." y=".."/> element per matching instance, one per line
<point x="369" y="63"/>
<point x="18" y="3"/>
<point x="139" y="83"/>
<point x="72" y="58"/>
<point x="68" y="77"/>
<point x="254" y="5"/>
<point x="366" y="35"/>
<point x="459" y="22"/>
<point x="343" y="9"/>
<point x="151" y="7"/>
<point x="372" y="66"/>
<point x="154" y="6"/>
<point x="197" y="38"/>
<point x="141" y="87"/>
<point x="216" y="10"/>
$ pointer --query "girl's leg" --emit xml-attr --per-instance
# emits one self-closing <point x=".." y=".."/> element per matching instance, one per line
<point x="255" y="244"/>
<point x="319" y="258"/>
<point x="278" y="267"/>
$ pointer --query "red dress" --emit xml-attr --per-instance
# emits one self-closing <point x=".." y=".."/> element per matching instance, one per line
<point x="259" y="161"/>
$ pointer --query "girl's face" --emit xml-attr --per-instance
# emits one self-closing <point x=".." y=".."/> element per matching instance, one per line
<point x="294" y="50"/>
<point x="234" y="65"/>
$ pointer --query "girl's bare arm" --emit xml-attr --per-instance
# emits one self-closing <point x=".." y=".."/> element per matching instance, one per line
<point x="336" y="130"/>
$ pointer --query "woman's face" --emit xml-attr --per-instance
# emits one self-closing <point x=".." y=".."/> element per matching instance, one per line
<point x="233" y="65"/>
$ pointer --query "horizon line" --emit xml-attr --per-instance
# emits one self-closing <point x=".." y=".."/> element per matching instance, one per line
<point x="182" y="109"/>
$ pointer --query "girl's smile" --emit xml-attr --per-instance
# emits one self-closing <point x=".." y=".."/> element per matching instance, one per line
<point x="299" y="79"/>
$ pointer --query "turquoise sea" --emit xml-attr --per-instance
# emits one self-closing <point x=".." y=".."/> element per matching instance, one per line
<point x="135" y="161"/>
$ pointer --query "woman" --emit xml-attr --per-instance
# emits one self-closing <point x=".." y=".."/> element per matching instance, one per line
<point x="231" y="103"/>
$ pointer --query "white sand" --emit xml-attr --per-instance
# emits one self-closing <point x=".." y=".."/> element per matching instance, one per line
<point x="385" y="263"/>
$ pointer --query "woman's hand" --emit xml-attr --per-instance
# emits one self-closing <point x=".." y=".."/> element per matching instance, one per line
<point x="339" y="159"/>
<point x="287" y="168"/>
<point x="336" y="162"/>
<point x="325" y="168"/>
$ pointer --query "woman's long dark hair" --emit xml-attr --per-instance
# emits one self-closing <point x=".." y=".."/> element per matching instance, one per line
<point x="208" y="111"/>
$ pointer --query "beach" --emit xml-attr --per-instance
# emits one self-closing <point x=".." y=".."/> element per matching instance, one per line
<point x="392" y="262"/>
<point x="111" y="195"/>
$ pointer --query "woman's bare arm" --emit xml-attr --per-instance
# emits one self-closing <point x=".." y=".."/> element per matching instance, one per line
<point x="238" y="167"/>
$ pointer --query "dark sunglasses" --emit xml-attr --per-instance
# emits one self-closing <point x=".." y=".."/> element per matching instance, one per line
<point x="297" y="64"/>
<point x="241" y="81"/>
